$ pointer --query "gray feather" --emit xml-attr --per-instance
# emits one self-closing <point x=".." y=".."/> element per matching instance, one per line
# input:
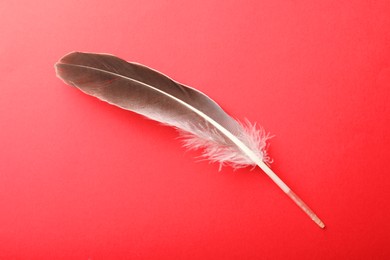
<point x="200" y="120"/>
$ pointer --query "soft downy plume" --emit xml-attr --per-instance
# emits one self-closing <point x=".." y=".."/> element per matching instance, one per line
<point x="255" y="137"/>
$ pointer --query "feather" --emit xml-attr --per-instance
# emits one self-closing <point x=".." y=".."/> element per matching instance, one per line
<point x="201" y="121"/>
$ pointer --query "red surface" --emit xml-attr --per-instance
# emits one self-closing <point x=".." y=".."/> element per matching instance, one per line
<point x="80" y="179"/>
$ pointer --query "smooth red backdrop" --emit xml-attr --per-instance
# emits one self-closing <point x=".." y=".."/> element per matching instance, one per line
<point x="80" y="179"/>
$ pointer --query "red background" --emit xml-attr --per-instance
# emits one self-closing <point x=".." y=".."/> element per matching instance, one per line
<point x="80" y="179"/>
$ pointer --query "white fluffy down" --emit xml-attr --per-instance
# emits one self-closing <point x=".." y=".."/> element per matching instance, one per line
<point x="217" y="150"/>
